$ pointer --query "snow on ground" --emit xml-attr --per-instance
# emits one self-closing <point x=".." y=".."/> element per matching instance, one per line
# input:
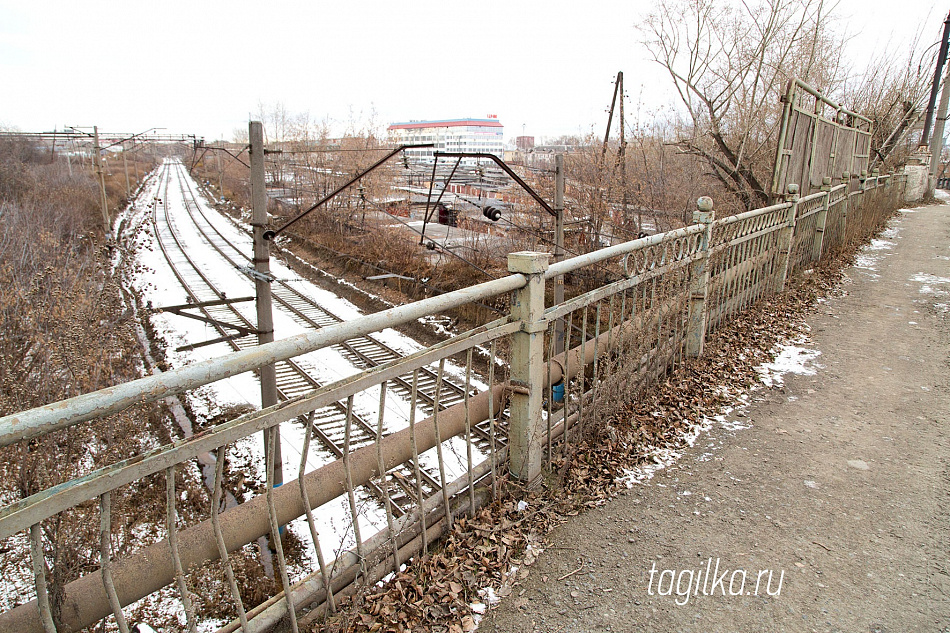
<point x="871" y="254"/>
<point x="792" y="357"/>
<point x="936" y="288"/>
<point x="16" y="586"/>
<point x="159" y="286"/>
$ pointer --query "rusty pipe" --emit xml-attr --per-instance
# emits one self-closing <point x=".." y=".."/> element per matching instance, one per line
<point x="151" y="568"/>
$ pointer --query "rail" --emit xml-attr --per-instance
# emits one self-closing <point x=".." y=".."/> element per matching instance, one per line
<point x="670" y="291"/>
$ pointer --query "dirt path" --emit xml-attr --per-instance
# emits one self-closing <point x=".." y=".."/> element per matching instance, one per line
<point x="841" y="482"/>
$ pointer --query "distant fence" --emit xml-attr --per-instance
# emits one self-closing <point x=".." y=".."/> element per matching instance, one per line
<point x="819" y="139"/>
<point x="668" y="291"/>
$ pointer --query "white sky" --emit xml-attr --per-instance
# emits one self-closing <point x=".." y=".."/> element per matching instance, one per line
<point x="201" y="67"/>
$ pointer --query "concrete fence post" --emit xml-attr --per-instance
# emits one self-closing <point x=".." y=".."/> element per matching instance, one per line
<point x="699" y="281"/>
<point x="786" y="237"/>
<point x="856" y="211"/>
<point x="525" y="433"/>
<point x="821" y="220"/>
<point x="845" y="205"/>
<point x="265" y="311"/>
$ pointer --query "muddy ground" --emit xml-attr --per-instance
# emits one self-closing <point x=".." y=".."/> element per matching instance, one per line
<point x="839" y="486"/>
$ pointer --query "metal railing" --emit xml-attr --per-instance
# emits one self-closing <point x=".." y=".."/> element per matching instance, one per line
<point x="664" y="294"/>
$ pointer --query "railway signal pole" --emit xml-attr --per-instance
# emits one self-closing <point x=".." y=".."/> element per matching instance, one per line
<point x="262" y="281"/>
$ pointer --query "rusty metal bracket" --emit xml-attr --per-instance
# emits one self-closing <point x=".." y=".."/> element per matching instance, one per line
<point x="180" y="311"/>
<point x="504" y="166"/>
<point x="534" y="328"/>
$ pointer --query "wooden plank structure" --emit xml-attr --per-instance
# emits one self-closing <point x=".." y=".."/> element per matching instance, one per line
<point x="819" y="138"/>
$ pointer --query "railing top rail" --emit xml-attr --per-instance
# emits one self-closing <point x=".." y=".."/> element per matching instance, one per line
<point x="751" y="214"/>
<point x="815" y="196"/>
<point x="598" y="256"/>
<point x="793" y="83"/>
<point x="65" y="413"/>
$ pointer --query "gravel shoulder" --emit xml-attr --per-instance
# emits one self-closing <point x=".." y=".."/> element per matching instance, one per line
<point x="838" y="485"/>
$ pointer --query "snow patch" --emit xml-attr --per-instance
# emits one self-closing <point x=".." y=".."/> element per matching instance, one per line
<point x="930" y="285"/>
<point x="790" y="359"/>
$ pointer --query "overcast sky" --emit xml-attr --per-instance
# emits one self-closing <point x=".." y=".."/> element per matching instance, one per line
<point x="201" y="67"/>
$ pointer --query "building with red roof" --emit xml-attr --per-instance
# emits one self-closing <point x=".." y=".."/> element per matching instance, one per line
<point x="451" y="135"/>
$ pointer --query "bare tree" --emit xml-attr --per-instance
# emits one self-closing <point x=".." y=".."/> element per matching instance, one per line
<point x="893" y="92"/>
<point x="729" y="62"/>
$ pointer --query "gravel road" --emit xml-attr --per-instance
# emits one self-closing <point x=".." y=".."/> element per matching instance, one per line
<point x="839" y="486"/>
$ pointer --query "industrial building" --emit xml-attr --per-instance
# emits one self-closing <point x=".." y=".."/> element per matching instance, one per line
<point x="451" y="135"/>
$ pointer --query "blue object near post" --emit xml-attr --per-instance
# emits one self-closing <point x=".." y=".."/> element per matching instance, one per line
<point x="280" y="528"/>
<point x="558" y="391"/>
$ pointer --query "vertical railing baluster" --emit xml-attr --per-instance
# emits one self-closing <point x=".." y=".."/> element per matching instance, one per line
<point x="381" y="467"/>
<point x="413" y="398"/>
<point x="595" y="383"/>
<point x="568" y="333"/>
<point x="552" y="335"/>
<point x="632" y="350"/>
<point x="491" y="419"/>
<point x="272" y="436"/>
<point x="350" y="493"/>
<point x="656" y="306"/>
<point x="610" y="321"/>
<point x="468" y="431"/>
<point x="171" y="519"/>
<point x="216" y="495"/>
<point x="39" y="578"/>
<point x="438" y="445"/>
<point x="105" y="549"/>
<point x="582" y="374"/>
<point x="308" y="433"/>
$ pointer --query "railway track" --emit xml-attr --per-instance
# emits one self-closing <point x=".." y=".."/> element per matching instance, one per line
<point x="292" y="378"/>
<point x="363" y="352"/>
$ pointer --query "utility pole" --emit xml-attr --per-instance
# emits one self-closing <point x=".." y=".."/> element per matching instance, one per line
<point x="622" y="158"/>
<point x="262" y="280"/>
<point x="103" y="201"/>
<point x="217" y="160"/>
<point x="936" y="144"/>
<point x="559" y="247"/>
<point x="125" y="165"/>
<point x="941" y="59"/>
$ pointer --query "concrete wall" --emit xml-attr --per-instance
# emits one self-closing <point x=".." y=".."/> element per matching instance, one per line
<point x="918" y="176"/>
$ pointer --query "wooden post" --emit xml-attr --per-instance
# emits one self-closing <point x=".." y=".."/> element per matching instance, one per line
<point x="527" y="367"/>
<point x="821" y="220"/>
<point x="699" y="281"/>
<point x="786" y="236"/>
